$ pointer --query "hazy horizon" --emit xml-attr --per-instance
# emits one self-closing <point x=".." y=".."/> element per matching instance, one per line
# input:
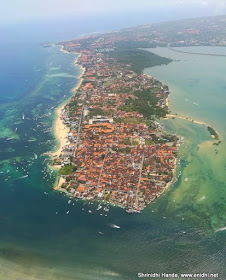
<point x="131" y="12"/>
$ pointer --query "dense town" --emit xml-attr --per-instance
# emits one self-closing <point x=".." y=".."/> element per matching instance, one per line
<point x="116" y="151"/>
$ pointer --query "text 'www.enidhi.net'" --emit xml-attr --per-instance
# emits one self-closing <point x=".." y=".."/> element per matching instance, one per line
<point x="178" y="275"/>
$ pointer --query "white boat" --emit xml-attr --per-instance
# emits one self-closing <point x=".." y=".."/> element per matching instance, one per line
<point x="99" y="207"/>
<point x="67" y="212"/>
<point x="114" y="226"/>
<point x="106" y="209"/>
<point x="23" y="116"/>
<point x="100" y="232"/>
<point x="90" y="211"/>
<point x="69" y="201"/>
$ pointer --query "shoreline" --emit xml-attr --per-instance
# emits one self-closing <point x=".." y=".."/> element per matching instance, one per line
<point x="60" y="132"/>
<point x="63" y="50"/>
<point x="169" y="184"/>
<point x="194" y="121"/>
<point x="60" y="129"/>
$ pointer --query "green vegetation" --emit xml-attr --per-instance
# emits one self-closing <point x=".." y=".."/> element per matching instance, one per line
<point x="125" y="150"/>
<point x="134" y="44"/>
<point x="148" y="142"/>
<point x="139" y="59"/>
<point x="72" y="103"/>
<point x="216" y="144"/>
<point x="67" y="170"/>
<point x="170" y="138"/>
<point x="129" y="141"/>
<point x="96" y="112"/>
<point x="213" y="132"/>
<point x="130" y="120"/>
<point x="145" y="104"/>
<point x="107" y="197"/>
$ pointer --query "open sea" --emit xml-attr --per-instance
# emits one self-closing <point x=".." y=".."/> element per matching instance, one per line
<point x="182" y="232"/>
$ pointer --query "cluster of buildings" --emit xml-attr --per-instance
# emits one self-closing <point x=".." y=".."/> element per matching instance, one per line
<point x="196" y="32"/>
<point x="119" y="156"/>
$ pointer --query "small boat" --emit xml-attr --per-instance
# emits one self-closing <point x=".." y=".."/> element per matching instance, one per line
<point x="90" y="211"/>
<point x="99" y="207"/>
<point x="106" y="209"/>
<point x="69" y="201"/>
<point x="45" y="193"/>
<point x="23" y="116"/>
<point x="67" y="212"/>
<point x="100" y="232"/>
<point x="114" y="226"/>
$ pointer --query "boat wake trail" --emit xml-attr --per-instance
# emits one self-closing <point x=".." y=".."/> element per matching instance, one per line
<point x="21" y="177"/>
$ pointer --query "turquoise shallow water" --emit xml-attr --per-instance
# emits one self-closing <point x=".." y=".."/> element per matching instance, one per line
<point x="198" y="92"/>
<point x="174" y="234"/>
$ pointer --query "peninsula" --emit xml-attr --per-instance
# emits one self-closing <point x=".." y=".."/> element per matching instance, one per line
<point x="115" y="150"/>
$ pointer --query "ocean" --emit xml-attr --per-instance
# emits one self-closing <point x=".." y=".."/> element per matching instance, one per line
<point x="175" y="234"/>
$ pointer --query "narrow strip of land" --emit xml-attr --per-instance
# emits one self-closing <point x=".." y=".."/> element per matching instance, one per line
<point x="215" y="133"/>
<point x="198" y="53"/>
